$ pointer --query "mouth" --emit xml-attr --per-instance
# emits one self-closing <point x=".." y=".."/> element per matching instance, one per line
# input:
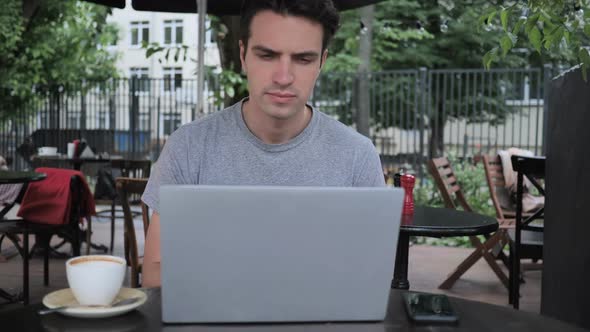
<point x="281" y="97"/>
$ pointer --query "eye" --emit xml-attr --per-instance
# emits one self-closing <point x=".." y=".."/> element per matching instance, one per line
<point x="304" y="60"/>
<point x="266" y="56"/>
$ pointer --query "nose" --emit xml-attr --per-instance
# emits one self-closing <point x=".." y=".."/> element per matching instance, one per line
<point x="283" y="73"/>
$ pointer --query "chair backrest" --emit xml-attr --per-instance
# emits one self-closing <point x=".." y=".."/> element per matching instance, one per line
<point x="444" y="177"/>
<point x="495" y="179"/>
<point x="532" y="168"/>
<point x="133" y="168"/>
<point x="125" y="188"/>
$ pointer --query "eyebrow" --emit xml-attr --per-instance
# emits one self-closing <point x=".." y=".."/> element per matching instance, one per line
<point x="264" y="49"/>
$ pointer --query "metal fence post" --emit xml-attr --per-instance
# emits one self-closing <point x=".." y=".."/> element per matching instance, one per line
<point x="424" y="91"/>
<point x="363" y="105"/>
<point x="83" y="108"/>
<point x="547" y="76"/>
<point x="133" y="115"/>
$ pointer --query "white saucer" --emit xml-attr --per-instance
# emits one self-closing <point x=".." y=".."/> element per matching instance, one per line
<point x="66" y="297"/>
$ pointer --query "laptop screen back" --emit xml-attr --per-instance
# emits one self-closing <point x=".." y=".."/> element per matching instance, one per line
<point x="277" y="254"/>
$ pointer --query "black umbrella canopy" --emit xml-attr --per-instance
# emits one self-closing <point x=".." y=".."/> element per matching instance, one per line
<point x="215" y="7"/>
<point x="110" y="3"/>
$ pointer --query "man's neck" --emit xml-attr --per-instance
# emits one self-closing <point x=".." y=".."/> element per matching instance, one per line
<point x="271" y="130"/>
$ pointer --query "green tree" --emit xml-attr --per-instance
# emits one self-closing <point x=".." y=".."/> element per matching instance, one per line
<point x="551" y="27"/>
<point x="436" y="34"/>
<point x="50" y="43"/>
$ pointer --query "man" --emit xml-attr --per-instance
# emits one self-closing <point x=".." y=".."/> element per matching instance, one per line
<point x="272" y="137"/>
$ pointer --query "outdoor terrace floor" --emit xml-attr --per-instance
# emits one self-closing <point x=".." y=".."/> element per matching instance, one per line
<point x="428" y="266"/>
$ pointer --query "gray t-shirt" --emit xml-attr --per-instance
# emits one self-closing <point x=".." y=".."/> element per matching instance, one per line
<point x="220" y="150"/>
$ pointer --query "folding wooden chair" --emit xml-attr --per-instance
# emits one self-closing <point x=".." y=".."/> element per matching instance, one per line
<point x="496" y="183"/>
<point x="441" y="171"/>
<point x="127" y="187"/>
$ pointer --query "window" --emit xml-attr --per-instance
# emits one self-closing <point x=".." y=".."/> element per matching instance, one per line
<point x="140" y="32"/>
<point x="139" y="79"/>
<point x="172" y="78"/>
<point x="171" y="122"/>
<point x="173" y="32"/>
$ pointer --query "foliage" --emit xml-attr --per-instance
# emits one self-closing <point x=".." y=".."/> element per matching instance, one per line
<point x="550" y="26"/>
<point x="473" y="183"/>
<point x="228" y="83"/>
<point x="436" y="34"/>
<point x="411" y="34"/>
<point x="63" y="41"/>
<point x="176" y="51"/>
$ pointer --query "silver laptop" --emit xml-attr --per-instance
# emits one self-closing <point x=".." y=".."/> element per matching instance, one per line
<point x="277" y="254"/>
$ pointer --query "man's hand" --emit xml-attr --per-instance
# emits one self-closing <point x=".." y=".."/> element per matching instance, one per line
<point x="151" y="260"/>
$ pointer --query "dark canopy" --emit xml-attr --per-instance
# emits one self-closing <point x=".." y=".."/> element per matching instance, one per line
<point x="215" y="7"/>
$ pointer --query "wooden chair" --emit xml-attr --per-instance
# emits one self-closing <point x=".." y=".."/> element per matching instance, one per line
<point x="124" y="168"/>
<point x="533" y="168"/>
<point x="450" y="190"/>
<point x="126" y="188"/>
<point x="496" y="183"/>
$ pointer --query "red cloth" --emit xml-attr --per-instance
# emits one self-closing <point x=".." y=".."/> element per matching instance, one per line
<point x="49" y="201"/>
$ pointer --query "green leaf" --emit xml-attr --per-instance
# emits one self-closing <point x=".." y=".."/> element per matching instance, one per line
<point x="518" y="25"/>
<point x="491" y="16"/>
<point x="489" y="57"/>
<point x="568" y="37"/>
<point x="554" y="37"/>
<point x="531" y="23"/>
<point x="535" y="38"/>
<point x="504" y="16"/>
<point x="152" y="50"/>
<point x="506" y="44"/>
<point x="483" y="19"/>
<point x="587" y="29"/>
<point x="230" y="91"/>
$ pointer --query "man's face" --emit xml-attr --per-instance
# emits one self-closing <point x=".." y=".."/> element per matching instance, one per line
<point x="282" y="63"/>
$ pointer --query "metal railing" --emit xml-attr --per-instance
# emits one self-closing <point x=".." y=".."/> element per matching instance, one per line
<point x="412" y="115"/>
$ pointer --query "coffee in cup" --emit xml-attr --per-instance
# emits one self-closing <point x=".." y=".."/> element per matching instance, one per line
<point x="95" y="279"/>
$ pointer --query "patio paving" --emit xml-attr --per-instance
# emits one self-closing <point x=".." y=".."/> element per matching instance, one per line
<point x="428" y="267"/>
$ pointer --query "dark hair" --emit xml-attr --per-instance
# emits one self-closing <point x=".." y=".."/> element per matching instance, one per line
<point x="320" y="11"/>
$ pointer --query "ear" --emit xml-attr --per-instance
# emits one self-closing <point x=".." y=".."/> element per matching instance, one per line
<point x="324" y="57"/>
<point x="243" y="56"/>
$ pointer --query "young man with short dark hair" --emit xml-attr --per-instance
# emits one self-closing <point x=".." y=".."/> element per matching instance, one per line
<point x="272" y="137"/>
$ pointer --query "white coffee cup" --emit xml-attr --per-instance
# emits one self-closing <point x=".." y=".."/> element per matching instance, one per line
<point x="71" y="149"/>
<point x="95" y="279"/>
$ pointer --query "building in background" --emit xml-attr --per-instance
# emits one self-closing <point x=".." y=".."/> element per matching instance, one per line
<point x="166" y="29"/>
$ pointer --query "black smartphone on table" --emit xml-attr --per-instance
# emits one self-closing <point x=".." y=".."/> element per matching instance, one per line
<point x="429" y="308"/>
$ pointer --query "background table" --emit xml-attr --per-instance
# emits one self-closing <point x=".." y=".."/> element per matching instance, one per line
<point x="61" y="161"/>
<point x="8" y="177"/>
<point x="435" y="222"/>
<point x="473" y="316"/>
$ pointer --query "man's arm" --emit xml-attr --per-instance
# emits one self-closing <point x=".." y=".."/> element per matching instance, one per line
<point x="151" y="257"/>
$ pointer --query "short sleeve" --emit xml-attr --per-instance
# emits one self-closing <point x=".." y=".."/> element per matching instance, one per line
<point x="171" y="168"/>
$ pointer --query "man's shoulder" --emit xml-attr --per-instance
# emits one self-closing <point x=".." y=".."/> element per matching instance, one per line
<point x="343" y="134"/>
